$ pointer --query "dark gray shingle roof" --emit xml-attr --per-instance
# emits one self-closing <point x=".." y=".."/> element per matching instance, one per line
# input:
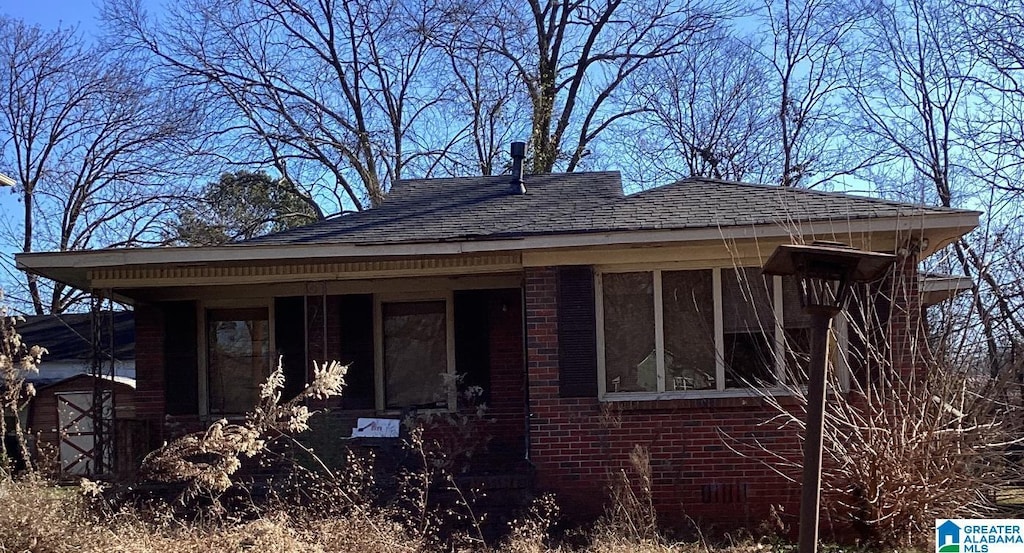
<point x="475" y="208"/>
<point x="68" y="336"/>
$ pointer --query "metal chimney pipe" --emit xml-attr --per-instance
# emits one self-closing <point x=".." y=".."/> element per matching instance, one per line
<point x="518" y="155"/>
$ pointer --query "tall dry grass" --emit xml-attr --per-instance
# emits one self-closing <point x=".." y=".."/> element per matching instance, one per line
<point x="40" y="517"/>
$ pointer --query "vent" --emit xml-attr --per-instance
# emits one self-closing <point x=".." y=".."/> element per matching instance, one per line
<point x="724" y="493"/>
<point x="518" y="155"/>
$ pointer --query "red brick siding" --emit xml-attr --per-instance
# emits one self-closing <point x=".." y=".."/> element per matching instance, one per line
<point x="149" y="363"/>
<point x="576" y="447"/>
<point x="905" y="331"/>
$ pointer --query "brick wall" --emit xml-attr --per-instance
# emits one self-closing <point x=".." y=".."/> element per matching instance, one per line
<point x="906" y="334"/>
<point x="149" y="363"/>
<point x="578" y="444"/>
<point x="507" y="378"/>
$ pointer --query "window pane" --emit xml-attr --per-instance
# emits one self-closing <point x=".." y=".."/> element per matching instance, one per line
<point x="415" y="354"/>
<point x="629" y="355"/>
<point x="797" y="325"/>
<point x="687" y="300"/>
<point x="749" y="328"/>
<point x="238" y="342"/>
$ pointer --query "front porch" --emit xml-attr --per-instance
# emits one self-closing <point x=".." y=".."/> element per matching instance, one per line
<point x="437" y="346"/>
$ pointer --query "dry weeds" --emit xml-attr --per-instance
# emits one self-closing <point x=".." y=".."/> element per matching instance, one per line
<point x="38" y="516"/>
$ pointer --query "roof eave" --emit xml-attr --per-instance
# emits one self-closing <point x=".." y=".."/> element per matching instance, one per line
<point x="73" y="268"/>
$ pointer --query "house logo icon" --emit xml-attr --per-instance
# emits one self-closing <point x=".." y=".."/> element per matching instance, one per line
<point x="948" y="538"/>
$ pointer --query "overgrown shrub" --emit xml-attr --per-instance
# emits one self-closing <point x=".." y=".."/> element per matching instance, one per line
<point x="17" y="361"/>
<point x="905" y="446"/>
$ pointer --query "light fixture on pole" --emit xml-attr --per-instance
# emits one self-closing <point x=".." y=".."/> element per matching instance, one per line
<point x="826" y="271"/>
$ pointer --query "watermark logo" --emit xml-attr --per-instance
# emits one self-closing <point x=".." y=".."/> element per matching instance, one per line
<point x="948" y="539"/>
<point x="979" y="535"/>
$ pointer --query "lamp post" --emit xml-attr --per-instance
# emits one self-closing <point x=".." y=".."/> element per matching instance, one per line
<point x="826" y="271"/>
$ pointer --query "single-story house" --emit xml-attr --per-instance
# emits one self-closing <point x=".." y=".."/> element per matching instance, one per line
<point x="593" y="321"/>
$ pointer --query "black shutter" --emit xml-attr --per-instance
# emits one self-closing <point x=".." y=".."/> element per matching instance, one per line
<point x="473" y="338"/>
<point x="181" y="358"/>
<point x="577" y="333"/>
<point x="290" y="340"/>
<point x="356" y="325"/>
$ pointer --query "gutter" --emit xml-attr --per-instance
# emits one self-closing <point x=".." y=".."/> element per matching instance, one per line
<point x="42" y="262"/>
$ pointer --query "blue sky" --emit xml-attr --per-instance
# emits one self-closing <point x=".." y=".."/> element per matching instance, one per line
<point x="47" y="14"/>
<point x="50" y="13"/>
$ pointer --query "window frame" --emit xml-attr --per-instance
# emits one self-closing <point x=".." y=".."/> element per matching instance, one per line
<point x="837" y="336"/>
<point x="203" y="307"/>
<point x="379" y="374"/>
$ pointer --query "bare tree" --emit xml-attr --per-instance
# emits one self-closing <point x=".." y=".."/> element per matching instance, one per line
<point x="573" y="58"/>
<point x="332" y="94"/>
<point x="994" y="127"/>
<point x="89" y="143"/>
<point x="808" y="45"/>
<point x="917" y="98"/>
<point x="487" y="96"/>
<point x="708" y="113"/>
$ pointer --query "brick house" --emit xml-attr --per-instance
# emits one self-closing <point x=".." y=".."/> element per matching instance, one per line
<point x="594" y="321"/>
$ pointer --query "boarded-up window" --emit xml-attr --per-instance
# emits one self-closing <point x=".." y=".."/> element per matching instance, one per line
<point x="181" y="358"/>
<point x="356" y="326"/>
<point x="238" y="353"/>
<point x="473" y="334"/>
<point x="415" y="354"/>
<point x="290" y="341"/>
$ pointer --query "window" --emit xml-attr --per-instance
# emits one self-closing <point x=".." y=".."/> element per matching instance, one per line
<point x="699" y="330"/>
<point x="416" y="353"/>
<point x="630" y="358"/>
<point x="748" y="327"/>
<point x="238" y="354"/>
<point x="689" y="314"/>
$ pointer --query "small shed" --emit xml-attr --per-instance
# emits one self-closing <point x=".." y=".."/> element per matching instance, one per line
<point x="64" y="427"/>
<point x="81" y="440"/>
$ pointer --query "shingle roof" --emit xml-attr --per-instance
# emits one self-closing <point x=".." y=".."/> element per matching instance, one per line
<point x="69" y="336"/>
<point x="477" y="208"/>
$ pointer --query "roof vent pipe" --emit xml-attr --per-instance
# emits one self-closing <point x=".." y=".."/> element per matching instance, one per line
<point x="518" y="155"/>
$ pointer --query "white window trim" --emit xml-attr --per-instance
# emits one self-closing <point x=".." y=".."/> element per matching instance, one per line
<point x="202" y="307"/>
<point x="447" y="296"/>
<point x="837" y="330"/>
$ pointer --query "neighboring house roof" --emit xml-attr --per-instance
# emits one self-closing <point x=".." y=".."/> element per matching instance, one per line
<point x="451" y="209"/>
<point x="43" y="382"/>
<point x="68" y="337"/>
<point x="938" y="287"/>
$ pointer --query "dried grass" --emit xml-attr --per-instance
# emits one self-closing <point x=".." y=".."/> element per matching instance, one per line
<point x="38" y="516"/>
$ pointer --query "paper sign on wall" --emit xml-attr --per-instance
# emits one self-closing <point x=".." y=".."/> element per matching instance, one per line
<point x="375" y="428"/>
